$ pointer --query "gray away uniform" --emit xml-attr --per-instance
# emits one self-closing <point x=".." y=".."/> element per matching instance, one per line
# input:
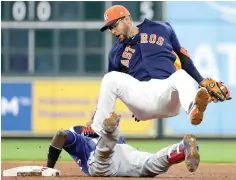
<point x="111" y="159"/>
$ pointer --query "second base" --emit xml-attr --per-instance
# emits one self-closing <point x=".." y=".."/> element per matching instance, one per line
<point x="31" y="171"/>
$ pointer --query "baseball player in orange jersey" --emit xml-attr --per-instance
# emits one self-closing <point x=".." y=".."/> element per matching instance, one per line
<point x="143" y="76"/>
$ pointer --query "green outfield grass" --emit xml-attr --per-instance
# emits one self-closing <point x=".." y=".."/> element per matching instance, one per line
<point x="27" y="150"/>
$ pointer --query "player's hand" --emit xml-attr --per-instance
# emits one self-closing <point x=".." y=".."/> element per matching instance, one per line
<point x="217" y="90"/>
<point x="137" y="120"/>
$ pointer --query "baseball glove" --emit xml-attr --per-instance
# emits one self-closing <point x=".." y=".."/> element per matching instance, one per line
<point x="217" y="90"/>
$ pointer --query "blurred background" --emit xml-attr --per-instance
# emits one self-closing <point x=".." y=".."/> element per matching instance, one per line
<point x="53" y="57"/>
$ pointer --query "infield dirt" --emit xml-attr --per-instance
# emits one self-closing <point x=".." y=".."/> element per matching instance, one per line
<point x="70" y="171"/>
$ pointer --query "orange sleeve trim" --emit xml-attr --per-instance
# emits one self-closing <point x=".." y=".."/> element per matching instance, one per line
<point x="177" y="62"/>
<point x="183" y="51"/>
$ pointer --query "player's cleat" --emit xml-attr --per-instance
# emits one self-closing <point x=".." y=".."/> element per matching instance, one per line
<point x="200" y="104"/>
<point x="84" y="131"/>
<point x="89" y="132"/>
<point x="192" y="157"/>
<point x="110" y="124"/>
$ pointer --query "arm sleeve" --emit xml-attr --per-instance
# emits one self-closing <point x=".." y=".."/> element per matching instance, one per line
<point x="111" y="65"/>
<point x="186" y="62"/>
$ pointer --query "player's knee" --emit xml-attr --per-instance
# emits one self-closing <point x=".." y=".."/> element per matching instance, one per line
<point x="61" y="134"/>
<point x="70" y="138"/>
<point x="110" y="79"/>
<point x="111" y="76"/>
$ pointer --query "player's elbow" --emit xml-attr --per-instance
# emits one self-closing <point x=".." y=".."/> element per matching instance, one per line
<point x="115" y="82"/>
<point x="61" y="134"/>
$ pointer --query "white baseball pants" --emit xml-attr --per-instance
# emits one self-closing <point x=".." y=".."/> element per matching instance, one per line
<point x="145" y="99"/>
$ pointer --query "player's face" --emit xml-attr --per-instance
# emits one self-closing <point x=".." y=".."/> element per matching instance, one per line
<point x="120" y="29"/>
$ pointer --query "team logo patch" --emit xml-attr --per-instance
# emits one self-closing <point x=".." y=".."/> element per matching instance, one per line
<point x="105" y="17"/>
<point x="211" y="85"/>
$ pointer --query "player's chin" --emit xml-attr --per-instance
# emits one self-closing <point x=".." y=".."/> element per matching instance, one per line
<point x="121" y="38"/>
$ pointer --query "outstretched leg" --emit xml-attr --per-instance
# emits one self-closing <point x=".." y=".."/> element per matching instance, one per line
<point x="101" y="162"/>
<point x="138" y="96"/>
<point x="186" y="150"/>
<point x="194" y="103"/>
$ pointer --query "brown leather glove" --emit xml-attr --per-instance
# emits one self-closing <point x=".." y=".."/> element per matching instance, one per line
<point x="217" y="90"/>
